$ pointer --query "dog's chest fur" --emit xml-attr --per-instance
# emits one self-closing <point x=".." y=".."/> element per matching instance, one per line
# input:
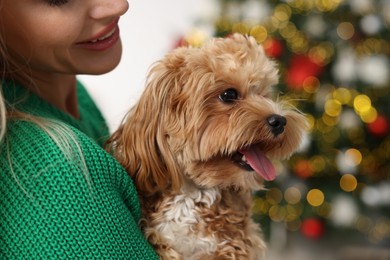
<point x="199" y="223"/>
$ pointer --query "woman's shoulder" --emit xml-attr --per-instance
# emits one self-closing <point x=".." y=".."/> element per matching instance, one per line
<point x="65" y="198"/>
<point x="51" y="152"/>
<point x="50" y="140"/>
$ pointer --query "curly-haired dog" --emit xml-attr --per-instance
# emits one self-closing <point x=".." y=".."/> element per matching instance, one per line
<point x="197" y="144"/>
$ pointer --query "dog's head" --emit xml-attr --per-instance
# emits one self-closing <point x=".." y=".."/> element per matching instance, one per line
<point x="207" y="116"/>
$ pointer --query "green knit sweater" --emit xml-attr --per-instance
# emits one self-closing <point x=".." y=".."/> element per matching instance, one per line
<point x="49" y="207"/>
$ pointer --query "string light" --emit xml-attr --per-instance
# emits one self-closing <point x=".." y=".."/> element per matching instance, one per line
<point x="345" y="30"/>
<point x="289" y="31"/>
<point x="242" y="28"/>
<point x="277" y="213"/>
<point x="259" y="32"/>
<point x="318" y="163"/>
<point x="327" y="5"/>
<point x="342" y="95"/>
<point x="292" y="213"/>
<point x="282" y="12"/>
<point x="330" y="120"/>
<point x="274" y="196"/>
<point x="333" y="107"/>
<point x="311" y="84"/>
<point x="292" y="195"/>
<point x="299" y="43"/>
<point x="371" y="46"/>
<point x="315" y="197"/>
<point x="369" y="116"/>
<point x="354" y="157"/>
<point x="196" y="38"/>
<point x="323" y="210"/>
<point x="348" y="182"/>
<point x="362" y="104"/>
<point x="363" y="107"/>
<point x="260" y="206"/>
<point x="322" y="53"/>
<point x="320" y="5"/>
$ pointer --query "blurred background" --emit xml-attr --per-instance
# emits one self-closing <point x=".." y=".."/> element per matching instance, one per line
<point x="331" y="200"/>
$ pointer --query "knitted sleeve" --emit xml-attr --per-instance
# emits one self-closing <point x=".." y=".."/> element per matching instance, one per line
<point x="51" y="208"/>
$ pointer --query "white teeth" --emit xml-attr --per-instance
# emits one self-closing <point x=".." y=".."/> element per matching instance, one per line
<point x="243" y="158"/>
<point x="105" y="36"/>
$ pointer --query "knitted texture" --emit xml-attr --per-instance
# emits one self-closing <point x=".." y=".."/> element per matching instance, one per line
<point x="50" y="207"/>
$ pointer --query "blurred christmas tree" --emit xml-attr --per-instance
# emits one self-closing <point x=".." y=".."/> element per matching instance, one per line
<point x="335" y="66"/>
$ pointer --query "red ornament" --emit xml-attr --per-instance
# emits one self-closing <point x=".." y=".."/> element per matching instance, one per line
<point x="301" y="67"/>
<point x="312" y="228"/>
<point x="273" y="48"/>
<point x="181" y="42"/>
<point x="380" y="127"/>
<point x="303" y="169"/>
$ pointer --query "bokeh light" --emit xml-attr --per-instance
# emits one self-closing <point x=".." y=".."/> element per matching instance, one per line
<point x="292" y="195"/>
<point x="345" y="30"/>
<point x="315" y="197"/>
<point x="348" y="182"/>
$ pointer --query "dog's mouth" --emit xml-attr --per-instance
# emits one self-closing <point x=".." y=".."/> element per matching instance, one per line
<point x="253" y="158"/>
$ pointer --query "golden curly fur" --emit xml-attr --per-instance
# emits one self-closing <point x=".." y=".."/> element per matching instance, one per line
<point x="196" y="145"/>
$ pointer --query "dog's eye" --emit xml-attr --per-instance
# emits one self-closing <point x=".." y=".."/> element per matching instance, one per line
<point x="229" y="95"/>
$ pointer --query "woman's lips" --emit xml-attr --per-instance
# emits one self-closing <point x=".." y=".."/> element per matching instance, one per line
<point x="104" y="40"/>
<point x="108" y="35"/>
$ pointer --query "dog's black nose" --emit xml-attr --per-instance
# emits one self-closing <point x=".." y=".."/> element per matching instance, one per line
<point x="277" y="124"/>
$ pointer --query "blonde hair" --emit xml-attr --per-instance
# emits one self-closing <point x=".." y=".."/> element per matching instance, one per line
<point x="3" y="117"/>
<point x="3" y="110"/>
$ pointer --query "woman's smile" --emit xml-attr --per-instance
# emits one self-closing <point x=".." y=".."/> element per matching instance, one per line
<point x="103" y="40"/>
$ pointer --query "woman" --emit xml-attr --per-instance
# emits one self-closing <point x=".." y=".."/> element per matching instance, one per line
<point x="61" y="194"/>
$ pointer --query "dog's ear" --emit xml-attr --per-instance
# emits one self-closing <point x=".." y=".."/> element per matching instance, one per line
<point x="141" y="144"/>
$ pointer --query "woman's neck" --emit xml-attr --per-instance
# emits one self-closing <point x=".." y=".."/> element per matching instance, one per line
<point x="58" y="89"/>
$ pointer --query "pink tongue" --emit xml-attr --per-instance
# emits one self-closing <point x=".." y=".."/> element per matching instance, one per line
<point x="259" y="162"/>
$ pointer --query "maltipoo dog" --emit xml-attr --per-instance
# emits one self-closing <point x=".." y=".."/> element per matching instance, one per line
<point x="198" y="143"/>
